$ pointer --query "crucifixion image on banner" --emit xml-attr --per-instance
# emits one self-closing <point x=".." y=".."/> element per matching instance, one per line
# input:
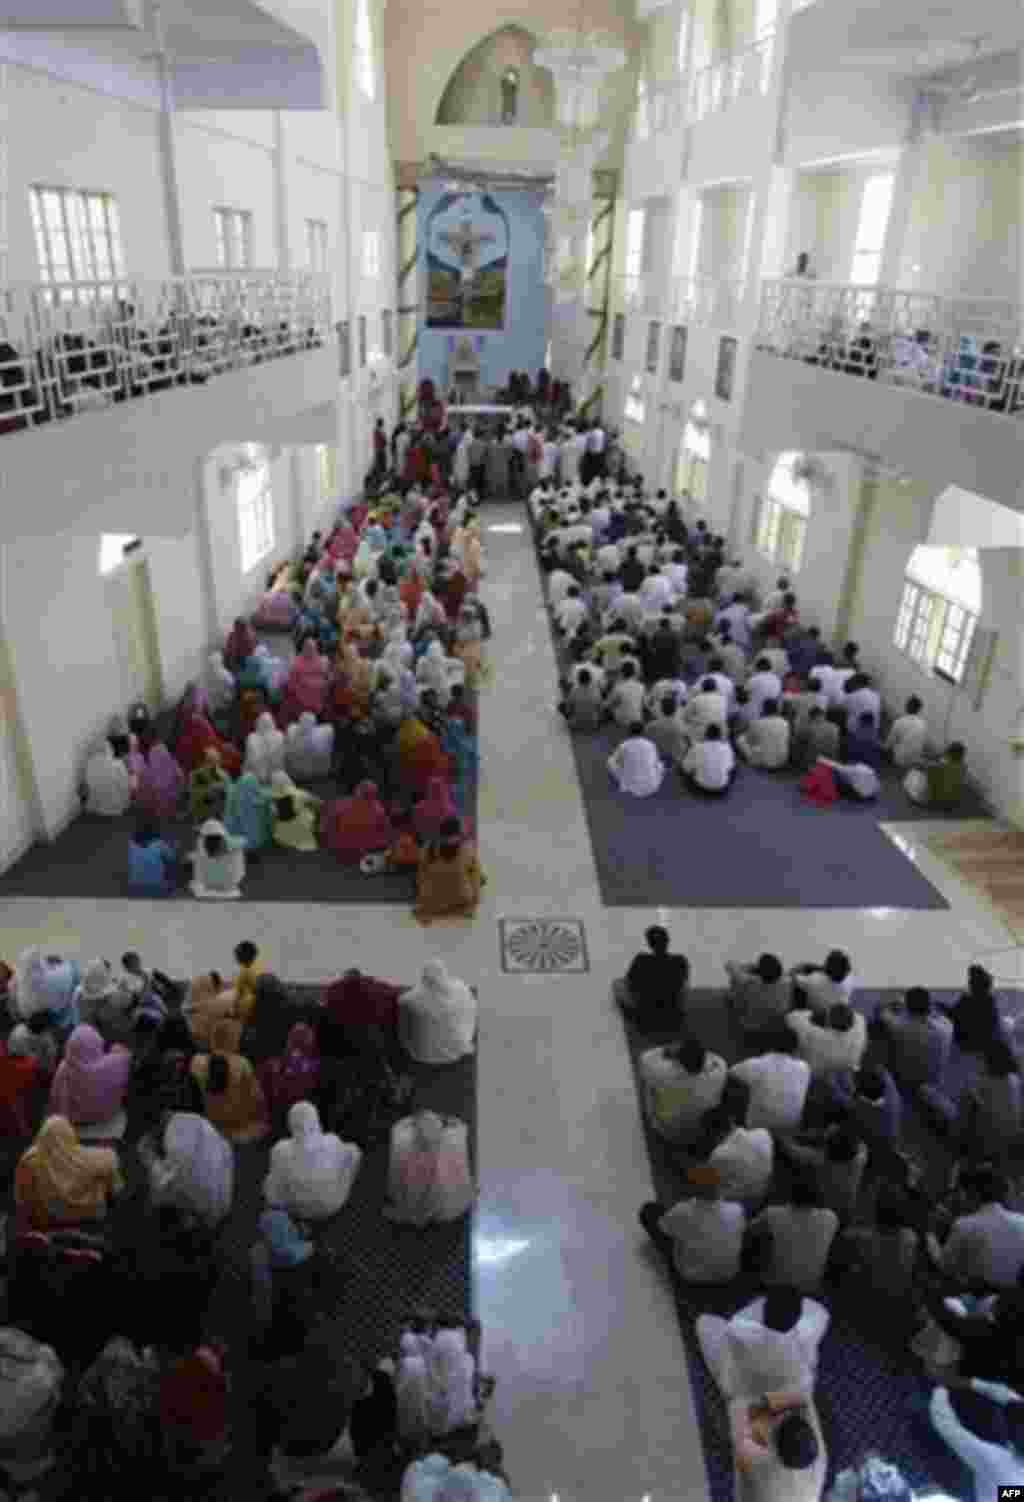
<point x="467" y="249"/>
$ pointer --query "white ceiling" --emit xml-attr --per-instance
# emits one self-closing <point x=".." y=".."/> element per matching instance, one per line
<point x="909" y="38"/>
<point x="194" y="30"/>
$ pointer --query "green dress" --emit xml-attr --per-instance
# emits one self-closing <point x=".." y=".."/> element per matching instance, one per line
<point x="208" y="788"/>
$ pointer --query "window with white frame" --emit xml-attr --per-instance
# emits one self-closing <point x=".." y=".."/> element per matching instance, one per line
<point x="233" y="229"/>
<point x="939" y="609"/>
<point x="643" y="112"/>
<point x="255" y="500"/>
<point x="875" y="204"/>
<point x="635" y="409"/>
<point x="78" y="238"/>
<point x="634" y="248"/>
<point x="363" y="65"/>
<point x="316" y="245"/>
<point x="782" y="515"/>
<point x="694" y="455"/>
<point x="371" y="253"/>
<point x="327" y="469"/>
<point x="682" y="41"/>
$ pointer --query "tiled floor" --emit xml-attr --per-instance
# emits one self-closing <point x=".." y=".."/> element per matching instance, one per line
<point x="593" y="1398"/>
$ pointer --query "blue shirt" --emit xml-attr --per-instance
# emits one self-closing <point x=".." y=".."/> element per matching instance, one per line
<point x="147" y="866"/>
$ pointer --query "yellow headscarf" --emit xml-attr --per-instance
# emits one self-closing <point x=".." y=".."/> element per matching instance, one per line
<point x="64" y="1170"/>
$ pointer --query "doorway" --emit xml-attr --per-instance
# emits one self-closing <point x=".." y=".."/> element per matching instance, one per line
<point x="136" y="640"/>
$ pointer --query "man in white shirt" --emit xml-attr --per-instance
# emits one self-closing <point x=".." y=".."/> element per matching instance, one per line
<point x="813" y="697"/>
<point x="571" y="612"/>
<point x="611" y="648"/>
<point x="906" y="740"/>
<point x="770" y="1345"/>
<point x="988" y="1435"/>
<point x="677" y="572"/>
<point x="738" y="617"/>
<point x="836" y="1041"/>
<point x="701" y="1237"/>
<point x="608" y="558"/>
<point x="766" y="743"/>
<point x="706" y="707"/>
<point x="763" y="685"/>
<point x="635" y="766"/>
<point x="668" y="732"/>
<point x="559" y="584"/>
<point x="656" y="591"/>
<point x="631" y="609"/>
<point x="572" y="452"/>
<point x="710" y="764"/>
<point x="824" y="985"/>
<point x="549" y="458"/>
<point x="861" y="698"/>
<point x="596" y="444"/>
<point x="626" y="700"/>
<point x="723" y="683"/>
<point x="682" y="1082"/>
<point x="776" y="657"/>
<point x="987" y="1246"/>
<point x="778" y="1083"/>
<point x="600" y="520"/>
<point x="802" y="1234"/>
<point x="742" y="1163"/>
<point x="666" y="688"/>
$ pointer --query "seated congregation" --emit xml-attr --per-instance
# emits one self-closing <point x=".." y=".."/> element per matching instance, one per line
<point x="663" y="638"/>
<point x="830" y="1169"/>
<point x="162" y="1339"/>
<point x="362" y="745"/>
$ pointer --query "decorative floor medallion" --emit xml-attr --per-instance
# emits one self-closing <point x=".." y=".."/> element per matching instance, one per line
<point x="543" y="946"/>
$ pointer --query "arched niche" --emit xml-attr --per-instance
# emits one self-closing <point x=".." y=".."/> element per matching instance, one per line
<point x="473" y="94"/>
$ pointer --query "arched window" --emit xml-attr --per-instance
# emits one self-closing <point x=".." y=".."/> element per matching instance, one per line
<point x="940" y="608"/>
<point x="783" y="512"/>
<point x="114" y="548"/>
<point x="695" y="455"/>
<point x="363" y="64"/>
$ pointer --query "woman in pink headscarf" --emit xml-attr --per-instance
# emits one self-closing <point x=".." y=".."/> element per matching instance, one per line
<point x="295" y="1074"/>
<point x="357" y="826"/>
<point x="160" y="784"/>
<point x="196" y="738"/>
<point x="343" y="544"/>
<point x="357" y="515"/>
<point x="90" y="1084"/>
<point x="307" y="684"/>
<point x="241" y="643"/>
<point x="431" y="812"/>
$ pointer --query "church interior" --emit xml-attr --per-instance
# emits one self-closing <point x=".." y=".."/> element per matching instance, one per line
<point x="508" y="307"/>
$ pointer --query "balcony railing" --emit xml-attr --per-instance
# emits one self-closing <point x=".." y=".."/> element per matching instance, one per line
<point x="82" y="346"/>
<point x="964" y="349"/>
<point x="657" y="112"/>
<point x="739" y="75"/>
<point x="708" y="302"/>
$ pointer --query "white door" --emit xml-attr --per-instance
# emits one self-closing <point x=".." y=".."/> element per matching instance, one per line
<point x="135" y="634"/>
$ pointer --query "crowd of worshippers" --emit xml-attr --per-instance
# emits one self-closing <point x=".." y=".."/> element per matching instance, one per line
<point x="670" y="643"/>
<point x="132" y="1094"/>
<point x="502" y="458"/>
<point x="801" y="1190"/>
<point x="380" y="700"/>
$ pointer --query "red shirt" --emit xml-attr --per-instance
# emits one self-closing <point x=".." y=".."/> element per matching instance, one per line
<point x="363" y="1001"/>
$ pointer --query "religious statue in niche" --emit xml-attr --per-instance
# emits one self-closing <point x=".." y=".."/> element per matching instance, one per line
<point x="467" y="253"/>
<point x="509" y="96"/>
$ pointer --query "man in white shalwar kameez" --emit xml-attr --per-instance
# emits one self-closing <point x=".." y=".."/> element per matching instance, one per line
<point x="636" y="766"/>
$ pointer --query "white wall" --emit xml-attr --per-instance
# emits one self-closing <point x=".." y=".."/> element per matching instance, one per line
<point x="225" y="158"/>
<point x="837" y="114"/>
<point x="66" y="135"/>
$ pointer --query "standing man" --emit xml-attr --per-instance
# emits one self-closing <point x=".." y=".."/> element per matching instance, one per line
<point x="597" y="442"/>
<point x="380" y="450"/>
<point x="477" y="464"/>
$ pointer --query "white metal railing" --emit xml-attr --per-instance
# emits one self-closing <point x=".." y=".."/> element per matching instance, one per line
<point x="963" y="348"/>
<point x="659" y="111"/>
<point x="708" y="302"/>
<point x="81" y="346"/>
<point x="744" y="74"/>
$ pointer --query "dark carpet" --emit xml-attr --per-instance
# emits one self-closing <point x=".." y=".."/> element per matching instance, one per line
<point x="375" y="1274"/>
<point x="866" y="1376"/>
<point x="764" y="846"/>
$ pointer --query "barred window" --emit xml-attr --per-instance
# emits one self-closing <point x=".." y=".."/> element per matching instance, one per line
<point x="255" y="511"/>
<point x="939" y="609"/>
<point x="78" y="239"/>
<point x="781" y="529"/>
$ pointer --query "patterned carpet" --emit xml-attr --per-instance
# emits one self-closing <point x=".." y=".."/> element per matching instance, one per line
<point x="376" y="1274"/>
<point x="866" y="1376"/>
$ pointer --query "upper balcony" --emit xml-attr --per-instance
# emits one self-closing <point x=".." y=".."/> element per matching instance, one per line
<point x="736" y="85"/>
<point x="109" y="391"/>
<point x="928" y="383"/>
<point x="654" y="150"/>
<point x="697" y="301"/>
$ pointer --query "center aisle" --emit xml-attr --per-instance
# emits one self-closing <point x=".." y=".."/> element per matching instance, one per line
<point x="593" y="1398"/>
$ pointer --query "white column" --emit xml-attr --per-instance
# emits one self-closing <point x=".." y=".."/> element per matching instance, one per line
<point x="4" y="182"/>
<point x="281" y="238"/>
<point x="204" y="556"/>
<point x="907" y="175"/>
<point x="168" y="147"/>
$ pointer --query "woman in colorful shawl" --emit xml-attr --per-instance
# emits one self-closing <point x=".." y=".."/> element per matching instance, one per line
<point x="356" y="826"/>
<point x="432" y="810"/>
<point x="468" y="647"/>
<point x="90" y="1084"/>
<point x="241" y="643"/>
<point x="208" y="787"/>
<point x="343" y="544"/>
<point x="194" y="1410"/>
<point x="209" y="1004"/>
<point x="419" y="756"/>
<point x="161" y="784"/>
<point x="196" y="738"/>
<point x="307" y="683"/>
<point x="357" y="671"/>
<point x="293" y="1075"/>
<point x="108" y="782"/>
<point x="265" y="748"/>
<point x="249" y="812"/>
<point x="191" y="1167"/>
<point x="449" y="878"/>
<point x="232" y="1097"/>
<point x="429" y="1177"/>
<point x="58" y="1182"/>
<point x="295" y="814"/>
<point x="312" y="1171"/>
<point x="453" y="592"/>
<point x="460" y="746"/>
